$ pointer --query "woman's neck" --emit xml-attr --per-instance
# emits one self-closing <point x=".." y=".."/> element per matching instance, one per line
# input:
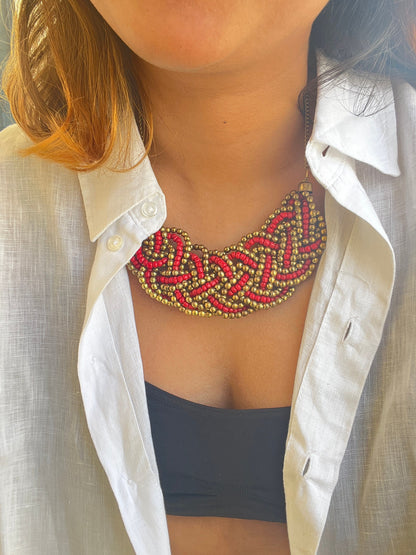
<point x="230" y="126"/>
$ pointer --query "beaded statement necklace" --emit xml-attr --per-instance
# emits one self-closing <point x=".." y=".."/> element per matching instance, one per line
<point x="259" y="272"/>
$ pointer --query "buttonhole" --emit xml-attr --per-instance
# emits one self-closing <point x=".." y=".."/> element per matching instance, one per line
<point x="306" y="467"/>
<point x="325" y="151"/>
<point x="347" y="331"/>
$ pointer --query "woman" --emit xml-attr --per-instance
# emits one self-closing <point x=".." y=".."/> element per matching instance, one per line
<point x="295" y="341"/>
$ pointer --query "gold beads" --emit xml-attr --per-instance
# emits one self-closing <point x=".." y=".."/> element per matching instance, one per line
<point x="259" y="272"/>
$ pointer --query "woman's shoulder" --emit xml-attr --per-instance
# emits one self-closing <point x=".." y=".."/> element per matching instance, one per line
<point x="30" y="185"/>
<point x="29" y="176"/>
<point x="14" y="165"/>
<point x="12" y="139"/>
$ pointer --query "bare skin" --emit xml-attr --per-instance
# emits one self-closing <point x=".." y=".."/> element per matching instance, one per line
<point x="223" y="79"/>
<point x="245" y="363"/>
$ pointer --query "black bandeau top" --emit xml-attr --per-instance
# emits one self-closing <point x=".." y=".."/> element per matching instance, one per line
<point x="219" y="462"/>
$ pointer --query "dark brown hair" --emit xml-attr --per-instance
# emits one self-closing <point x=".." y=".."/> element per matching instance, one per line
<point x="376" y="36"/>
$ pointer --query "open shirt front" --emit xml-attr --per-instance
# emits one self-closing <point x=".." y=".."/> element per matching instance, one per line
<point x="78" y="471"/>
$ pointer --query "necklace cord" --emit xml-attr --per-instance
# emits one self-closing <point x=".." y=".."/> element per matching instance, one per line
<point x="307" y="132"/>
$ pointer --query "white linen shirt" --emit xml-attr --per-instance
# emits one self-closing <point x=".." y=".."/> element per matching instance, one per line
<point x="78" y="469"/>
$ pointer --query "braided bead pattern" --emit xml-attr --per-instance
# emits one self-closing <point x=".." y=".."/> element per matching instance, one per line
<point x="260" y="271"/>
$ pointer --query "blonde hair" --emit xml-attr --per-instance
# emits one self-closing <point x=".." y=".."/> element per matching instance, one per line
<point x="72" y="83"/>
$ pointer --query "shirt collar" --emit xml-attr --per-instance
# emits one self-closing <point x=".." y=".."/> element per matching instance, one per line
<point x="368" y="138"/>
<point x="356" y="115"/>
<point x="109" y="194"/>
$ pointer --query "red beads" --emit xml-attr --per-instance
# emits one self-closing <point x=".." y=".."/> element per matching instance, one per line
<point x="260" y="271"/>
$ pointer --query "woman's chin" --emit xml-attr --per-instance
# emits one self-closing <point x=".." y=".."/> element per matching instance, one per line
<point x="183" y="54"/>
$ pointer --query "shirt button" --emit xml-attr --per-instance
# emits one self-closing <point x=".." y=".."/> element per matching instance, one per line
<point x="149" y="209"/>
<point x="114" y="243"/>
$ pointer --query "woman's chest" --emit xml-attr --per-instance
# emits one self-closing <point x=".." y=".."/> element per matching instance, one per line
<point x="245" y="363"/>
